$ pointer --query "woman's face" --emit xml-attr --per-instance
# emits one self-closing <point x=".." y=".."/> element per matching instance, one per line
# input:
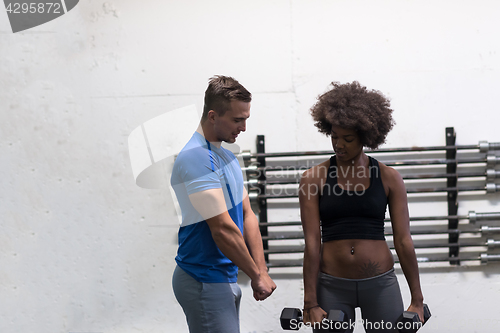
<point x="346" y="143"/>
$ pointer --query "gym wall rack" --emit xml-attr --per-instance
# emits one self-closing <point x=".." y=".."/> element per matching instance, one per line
<point x="427" y="172"/>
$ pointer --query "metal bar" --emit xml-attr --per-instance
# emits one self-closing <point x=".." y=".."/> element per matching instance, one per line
<point x="493" y="175"/>
<point x="483" y="257"/>
<point x="473" y="217"/>
<point x="482" y="146"/>
<point x="492" y="161"/>
<point x="451" y="182"/>
<point x="439" y="161"/>
<point x="491" y="216"/>
<point x="490" y="174"/>
<point x="446" y="189"/>
<point x="489" y="188"/>
<point x="490" y="243"/>
<point x="287" y="263"/>
<point x="284" y="235"/>
<point x="280" y="224"/>
<point x="484" y="231"/>
<point x="262" y="202"/>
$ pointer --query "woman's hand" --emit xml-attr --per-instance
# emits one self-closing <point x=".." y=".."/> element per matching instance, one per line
<point x="419" y="309"/>
<point x="314" y="315"/>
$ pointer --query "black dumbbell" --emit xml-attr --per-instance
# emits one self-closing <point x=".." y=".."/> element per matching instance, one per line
<point x="292" y="319"/>
<point x="409" y="322"/>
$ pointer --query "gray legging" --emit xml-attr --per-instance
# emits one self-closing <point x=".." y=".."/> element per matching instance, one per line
<point x="379" y="298"/>
<point x="209" y="307"/>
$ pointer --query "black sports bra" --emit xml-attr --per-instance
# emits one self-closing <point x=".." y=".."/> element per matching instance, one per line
<point x="357" y="214"/>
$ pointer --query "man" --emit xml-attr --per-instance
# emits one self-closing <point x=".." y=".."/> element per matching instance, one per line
<point x="219" y="231"/>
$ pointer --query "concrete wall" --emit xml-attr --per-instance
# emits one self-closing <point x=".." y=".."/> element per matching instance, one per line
<point x="83" y="249"/>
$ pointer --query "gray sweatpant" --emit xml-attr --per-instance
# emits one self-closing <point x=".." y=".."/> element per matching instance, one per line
<point x="209" y="307"/>
<point x="379" y="298"/>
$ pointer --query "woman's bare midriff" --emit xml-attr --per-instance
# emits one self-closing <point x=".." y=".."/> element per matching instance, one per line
<point x="356" y="258"/>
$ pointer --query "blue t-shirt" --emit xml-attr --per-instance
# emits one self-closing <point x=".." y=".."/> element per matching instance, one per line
<point x="201" y="166"/>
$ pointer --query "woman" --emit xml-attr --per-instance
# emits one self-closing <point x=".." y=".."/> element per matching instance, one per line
<point x="347" y="262"/>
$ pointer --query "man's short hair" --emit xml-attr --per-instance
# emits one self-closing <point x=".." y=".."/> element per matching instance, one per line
<point x="220" y="92"/>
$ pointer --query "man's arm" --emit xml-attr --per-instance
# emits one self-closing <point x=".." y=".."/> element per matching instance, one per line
<point x="253" y="239"/>
<point x="211" y="206"/>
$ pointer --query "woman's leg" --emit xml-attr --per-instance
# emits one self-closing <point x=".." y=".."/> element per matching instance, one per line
<point x="337" y="294"/>
<point x="381" y="302"/>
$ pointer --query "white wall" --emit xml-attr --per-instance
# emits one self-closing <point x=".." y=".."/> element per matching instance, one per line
<point x="83" y="249"/>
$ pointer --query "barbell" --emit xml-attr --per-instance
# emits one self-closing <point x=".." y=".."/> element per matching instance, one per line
<point x="489" y="188"/>
<point x="483" y="147"/>
<point x="490" y="175"/>
<point x="490" y="243"/>
<point x="484" y="259"/>
<point x="472" y="216"/>
<point x="484" y="231"/>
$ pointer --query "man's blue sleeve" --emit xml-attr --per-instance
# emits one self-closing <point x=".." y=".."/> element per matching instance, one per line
<point x="197" y="170"/>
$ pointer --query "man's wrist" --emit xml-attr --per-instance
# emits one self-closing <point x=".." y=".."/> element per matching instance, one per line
<point x="263" y="269"/>
<point x="256" y="275"/>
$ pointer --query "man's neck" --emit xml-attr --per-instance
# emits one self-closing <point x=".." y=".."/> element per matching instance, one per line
<point x="206" y="132"/>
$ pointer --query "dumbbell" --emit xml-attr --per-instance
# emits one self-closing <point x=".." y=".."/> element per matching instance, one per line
<point x="292" y="319"/>
<point x="408" y="321"/>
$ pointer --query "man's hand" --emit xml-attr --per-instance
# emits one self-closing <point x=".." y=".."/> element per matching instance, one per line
<point x="263" y="287"/>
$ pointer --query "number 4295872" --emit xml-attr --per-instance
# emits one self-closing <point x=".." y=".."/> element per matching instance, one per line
<point x="39" y="7"/>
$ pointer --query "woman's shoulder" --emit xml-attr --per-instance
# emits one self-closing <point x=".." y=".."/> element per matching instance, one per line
<point x="316" y="173"/>
<point x="390" y="176"/>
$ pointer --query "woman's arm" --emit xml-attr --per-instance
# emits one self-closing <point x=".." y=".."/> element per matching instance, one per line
<point x="309" y="192"/>
<point x="403" y="243"/>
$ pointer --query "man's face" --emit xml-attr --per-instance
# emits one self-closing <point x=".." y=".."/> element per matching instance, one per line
<point x="228" y="126"/>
